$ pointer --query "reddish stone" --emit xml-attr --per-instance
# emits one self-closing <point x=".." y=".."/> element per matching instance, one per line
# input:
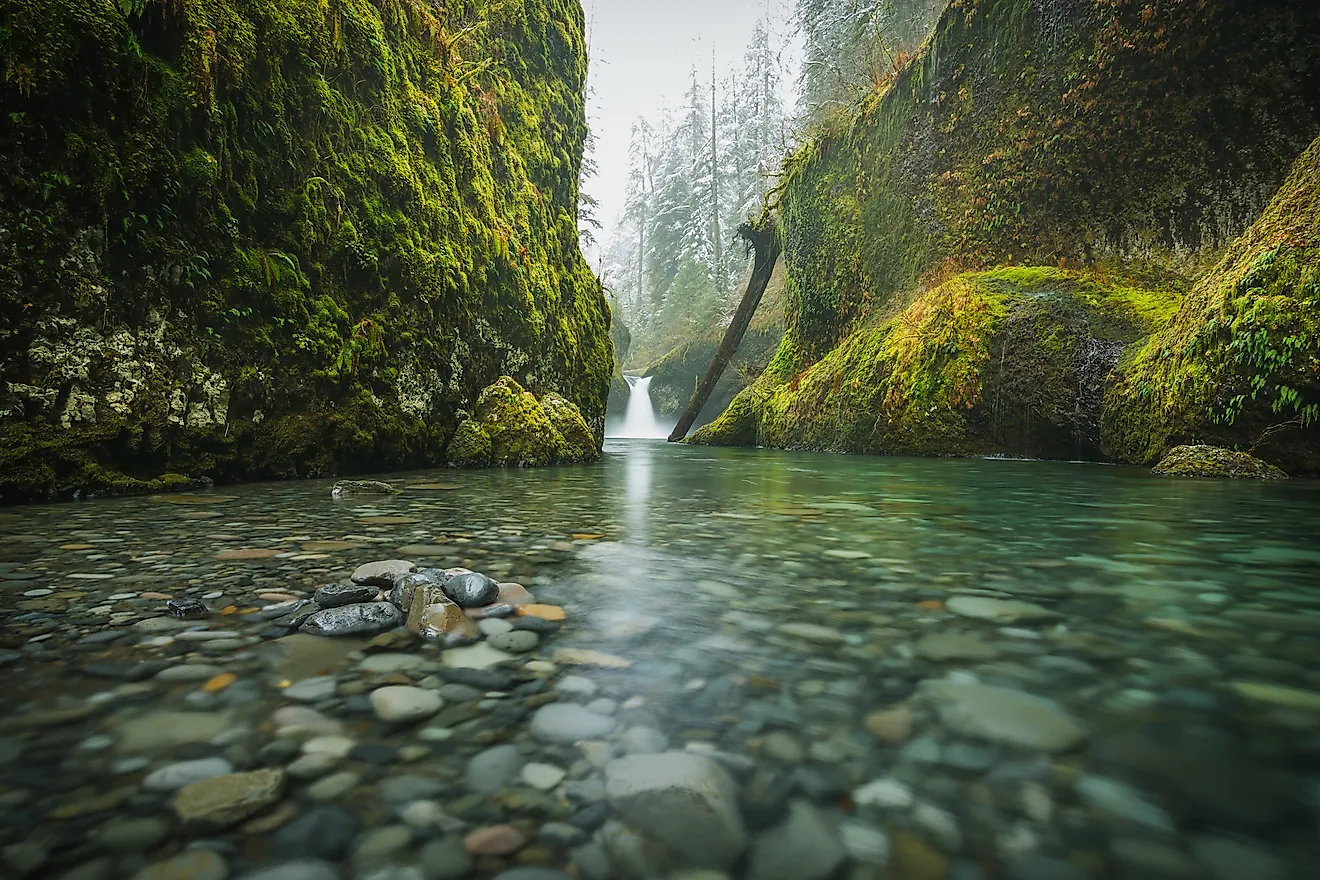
<point x="495" y="840"/>
<point x="515" y="594"/>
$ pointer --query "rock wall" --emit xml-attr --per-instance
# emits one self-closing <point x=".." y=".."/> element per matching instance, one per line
<point x="287" y="238"/>
<point x="1123" y="144"/>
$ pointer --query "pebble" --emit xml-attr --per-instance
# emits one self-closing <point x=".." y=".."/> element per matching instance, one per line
<point x="312" y="690"/>
<point x="334" y="786"/>
<point x="1122" y="802"/>
<point x="132" y="835"/>
<point x="493" y="769"/>
<point x="493" y="626"/>
<point x="885" y="793"/>
<point x="445" y="859"/>
<point x="542" y="776"/>
<point x="198" y="864"/>
<point x="300" y="869"/>
<point x="402" y="704"/>
<point x="515" y="641"/>
<point x="321" y="832"/>
<point x="176" y="776"/>
<point x="494" y="840"/>
<point x="568" y="722"/>
<point x="381" y="574"/>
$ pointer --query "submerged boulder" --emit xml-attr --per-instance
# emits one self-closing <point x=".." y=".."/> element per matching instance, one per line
<point x="1212" y="461"/>
<point x="687" y="802"/>
<point x="510" y="427"/>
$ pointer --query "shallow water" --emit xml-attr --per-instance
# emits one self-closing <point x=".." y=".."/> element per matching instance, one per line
<point x="779" y="612"/>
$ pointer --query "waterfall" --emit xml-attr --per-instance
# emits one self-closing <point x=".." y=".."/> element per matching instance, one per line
<point x="639" y="421"/>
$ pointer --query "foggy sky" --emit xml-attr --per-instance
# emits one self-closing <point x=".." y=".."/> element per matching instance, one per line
<point x="642" y="53"/>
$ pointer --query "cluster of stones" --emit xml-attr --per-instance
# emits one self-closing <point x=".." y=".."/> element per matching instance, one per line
<point x="446" y="606"/>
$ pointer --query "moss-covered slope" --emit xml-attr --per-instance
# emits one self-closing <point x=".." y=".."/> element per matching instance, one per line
<point x="1239" y="365"/>
<point x="1030" y="133"/>
<point x="1006" y="361"/>
<point x="1114" y="140"/>
<point x="283" y="237"/>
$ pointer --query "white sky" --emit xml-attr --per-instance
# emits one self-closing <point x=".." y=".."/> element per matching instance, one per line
<point x="642" y="52"/>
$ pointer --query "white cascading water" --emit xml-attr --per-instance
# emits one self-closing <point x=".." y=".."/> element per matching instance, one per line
<point x="639" y="420"/>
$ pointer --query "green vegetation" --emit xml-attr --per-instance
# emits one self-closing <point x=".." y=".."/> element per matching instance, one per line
<point x="1121" y="145"/>
<point x="283" y="237"/>
<point x="1006" y="360"/>
<point x="511" y="427"/>
<point x="1240" y="363"/>
<point x="1211" y="461"/>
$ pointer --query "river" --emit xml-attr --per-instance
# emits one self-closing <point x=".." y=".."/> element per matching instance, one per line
<point x="935" y="668"/>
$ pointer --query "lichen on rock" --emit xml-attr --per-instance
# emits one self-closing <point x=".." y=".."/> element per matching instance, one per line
<point x="1212" y="461"/>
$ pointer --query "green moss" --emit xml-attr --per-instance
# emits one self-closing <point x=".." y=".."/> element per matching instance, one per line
<point x="469" y="447"/>
<point x="1121" y="140"/>
<point x="579" y="443"/>
<point x="1239" y="364"/>
<point x="1211" y="461"/>
<point x="1011" y="360"/>
<point x="357" y="213"/>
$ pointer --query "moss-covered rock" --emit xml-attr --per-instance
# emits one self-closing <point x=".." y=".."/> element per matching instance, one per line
<point x="579" y="443"/>
<point x="1239" y="364"/>
<point x="1122" y="145"/>
<point x="469" y="447"/>
<point x="1212" y="461"/>
<point x="510" y="427"/>
<point x="284" y="238"/>
<point x="1007" y="361"/>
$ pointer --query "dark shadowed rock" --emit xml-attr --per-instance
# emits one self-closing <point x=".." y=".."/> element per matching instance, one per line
<point x="336" y="595"/>
<point x="472" y="589"/>
<point x="349" y="620"/>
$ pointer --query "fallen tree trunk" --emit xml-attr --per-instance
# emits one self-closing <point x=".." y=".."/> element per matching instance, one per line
<point x="764" y="239"/>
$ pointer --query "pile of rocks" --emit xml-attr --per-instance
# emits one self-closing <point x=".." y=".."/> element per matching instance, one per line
<point x="454" y="607"/>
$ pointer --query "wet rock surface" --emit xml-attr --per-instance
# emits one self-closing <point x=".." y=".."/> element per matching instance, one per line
<point x="853" y="684"/>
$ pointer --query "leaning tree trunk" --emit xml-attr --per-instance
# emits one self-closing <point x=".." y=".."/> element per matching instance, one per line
<point x="764" y="239"/>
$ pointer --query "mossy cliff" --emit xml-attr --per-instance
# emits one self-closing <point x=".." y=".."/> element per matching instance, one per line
<point x="286" y="237"/>
<point x="1123" y="145"/>
<point x="1239" y="365"/>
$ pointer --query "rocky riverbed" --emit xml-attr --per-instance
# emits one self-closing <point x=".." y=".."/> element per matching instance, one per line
<point x="669" y="666"/>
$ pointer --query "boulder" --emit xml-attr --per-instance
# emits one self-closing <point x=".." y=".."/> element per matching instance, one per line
<point x="509" y="426"/>
<point x="685" y="801"/>
<point x="1212" y="461"/>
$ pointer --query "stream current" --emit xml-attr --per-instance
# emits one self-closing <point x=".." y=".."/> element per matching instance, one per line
<point x="908" y="668"/>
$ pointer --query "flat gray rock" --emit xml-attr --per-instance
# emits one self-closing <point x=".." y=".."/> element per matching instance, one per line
<point x="568" y="722"/>
<point x="1003" y="715"/>
<point x="686" y="802"/>
<point x="175" y="776"/>
<point x="381" y="574"/>
<point x="997" y="610"/>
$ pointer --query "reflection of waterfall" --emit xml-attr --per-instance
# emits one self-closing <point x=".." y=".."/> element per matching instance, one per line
<point x="639" y="420"/>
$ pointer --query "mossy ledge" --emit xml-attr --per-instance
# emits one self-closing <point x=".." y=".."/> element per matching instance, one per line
<point x="286" y="238"/>
<point x="1103" y="154"/>
<point x="1006" y="361"/>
